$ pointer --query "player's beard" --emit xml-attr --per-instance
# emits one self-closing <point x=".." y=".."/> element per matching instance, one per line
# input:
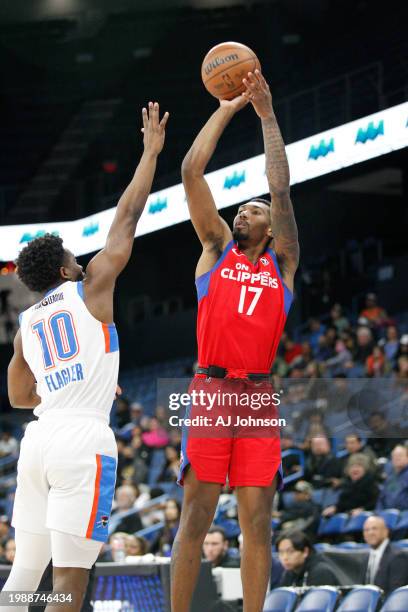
<point x="240" y="234"/>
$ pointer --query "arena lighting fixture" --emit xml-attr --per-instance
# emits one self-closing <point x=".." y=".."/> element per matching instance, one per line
<point x="309" y="158"/>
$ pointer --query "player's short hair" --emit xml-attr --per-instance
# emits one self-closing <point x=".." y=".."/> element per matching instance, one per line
<point x="39" y="263"/>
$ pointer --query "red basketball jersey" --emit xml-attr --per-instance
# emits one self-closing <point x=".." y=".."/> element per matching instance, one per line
<point x="242" y="309"/>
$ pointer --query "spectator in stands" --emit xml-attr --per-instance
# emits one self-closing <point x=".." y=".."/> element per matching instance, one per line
<point x="292" y="350"/>
<point x="136" y="546"/>
<point x="316" y="329"/>
<point x="376" y="363"/>
<point x="122" y="518"/>
<point x="142" y="496"/>
<point x="9" y="552"/>
<point x="401" y="374"/>
<point x="321" y="465"/>
<point x="171" y="468"/>
<point x="387" y="565"/>
<point x="303" y="514"/>
<point x="290" y="463"/>
<point x="354" y="444"/>
<point x="215" y="548"/>
<point x="8" y="444"/>
<point x="365" y="345"/>
<point x="141" y="457"/>
<point x="156" y="436"/>
<point x="391" y="344"/>
<point x="340" y="362"/>
<point x="172" y="512"/>
<point x="385" y="435"/>
<point x="302" y="565"/>
<point x="394" y="493"/>
<point x="338" y="320"/>
<point x="136" y="413"/>
<point x="316" y="426"/>
<point x="359" y="491"/>
<point x="403" y="347"/>
<point x="162" y="416"/>
<point x="374" y="313"/>
<point x="4" y="529"/>
<point x="324" y="349"/>
<point x="122" y="412"/>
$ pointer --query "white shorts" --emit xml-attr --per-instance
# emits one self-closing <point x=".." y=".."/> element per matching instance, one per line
<point x="66" y="476"/>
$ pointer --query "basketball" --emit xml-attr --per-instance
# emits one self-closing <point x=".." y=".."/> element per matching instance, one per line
<point x="224" y="67"/>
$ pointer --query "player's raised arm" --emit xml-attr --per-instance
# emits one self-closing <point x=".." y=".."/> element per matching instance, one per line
<point x="283" y="222"/>
<point x="211" y="229"/>
<point x="20" y="379"/>
<point x="104" y="268"/>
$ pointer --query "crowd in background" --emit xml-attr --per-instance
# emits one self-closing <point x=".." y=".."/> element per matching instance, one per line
<point x="368" y="474"/>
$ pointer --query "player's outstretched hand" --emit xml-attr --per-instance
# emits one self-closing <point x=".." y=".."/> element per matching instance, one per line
<point x="235" y="104"/>
<point x="257" y="92"/>
<point x="153" y="129"/>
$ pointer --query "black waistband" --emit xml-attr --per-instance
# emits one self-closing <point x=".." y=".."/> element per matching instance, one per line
<point x="218" y="372"/>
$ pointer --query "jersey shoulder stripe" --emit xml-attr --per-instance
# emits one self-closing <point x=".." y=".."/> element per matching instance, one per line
<point x="203" y="281"/>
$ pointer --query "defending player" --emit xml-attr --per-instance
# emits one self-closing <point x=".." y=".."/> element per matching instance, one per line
<point x="65" y="365"/>
<point x="244" y="293"/>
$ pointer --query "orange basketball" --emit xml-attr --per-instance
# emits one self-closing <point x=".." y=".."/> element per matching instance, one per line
<point x="224" y="67"/>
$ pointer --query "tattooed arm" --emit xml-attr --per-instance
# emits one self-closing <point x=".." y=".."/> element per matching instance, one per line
<point x="284" y="229"/>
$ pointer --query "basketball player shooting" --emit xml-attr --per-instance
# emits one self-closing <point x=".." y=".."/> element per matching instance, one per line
<point x="240" y="321"/>
<point x="65" y="366"/>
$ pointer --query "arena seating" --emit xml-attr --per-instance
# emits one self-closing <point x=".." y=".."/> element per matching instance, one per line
<point x="281" y="600"/>
<point x="361" y="599"/>
<point x="319" y="599"/>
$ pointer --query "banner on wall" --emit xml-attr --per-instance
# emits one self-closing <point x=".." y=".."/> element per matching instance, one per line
<point x="309" y="158"/>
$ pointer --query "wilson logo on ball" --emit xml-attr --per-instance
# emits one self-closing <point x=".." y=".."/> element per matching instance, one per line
<point x="218" y="61"/>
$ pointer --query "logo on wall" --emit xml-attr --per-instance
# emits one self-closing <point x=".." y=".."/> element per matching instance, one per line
<point x="234" y="180"/>
<point x="323" y="149"/>
<point x="157" y="206"/>
<point x="370" y="132"/>
<point x="90" y="229"/>
<point x="27" y="237"/>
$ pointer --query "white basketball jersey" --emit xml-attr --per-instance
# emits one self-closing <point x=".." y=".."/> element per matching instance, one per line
<point x="73" y="356"/>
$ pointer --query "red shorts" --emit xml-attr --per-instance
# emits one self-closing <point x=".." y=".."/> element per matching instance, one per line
<point x="231" y="443"/>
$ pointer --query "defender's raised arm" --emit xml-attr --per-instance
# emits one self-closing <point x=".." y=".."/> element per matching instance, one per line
<point x="108" y="264"/>
<point x="284" y="229"/>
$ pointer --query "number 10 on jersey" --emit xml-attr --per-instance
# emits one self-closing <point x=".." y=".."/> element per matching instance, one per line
<point x="61" y="330"/>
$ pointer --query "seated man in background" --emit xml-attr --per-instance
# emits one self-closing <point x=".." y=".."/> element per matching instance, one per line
<point x="125" y="498"/>
<point x="303" y="566"/>
<point x="321" y="465"/>
<point x="387" y="565"/>
<point x="303" y="514"/>
<point x="215" y="549"/>
<point x="394" y="493"/>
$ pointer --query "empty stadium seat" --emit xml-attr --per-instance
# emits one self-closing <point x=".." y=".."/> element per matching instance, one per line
<point x="361" y="599"/>
<point x="319" y="599"/>
<point x="355" y="523"/>
<point x="333" y="525"/>
<point x="397" y="601"/>
<point x="281" y="600"/>
<point x="390" y="517"/>
<point x="402" y="521"/>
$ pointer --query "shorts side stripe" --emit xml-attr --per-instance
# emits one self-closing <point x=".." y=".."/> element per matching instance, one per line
<point x="96" y="497"/>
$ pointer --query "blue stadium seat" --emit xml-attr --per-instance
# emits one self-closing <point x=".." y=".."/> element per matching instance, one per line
<point x="150" y="533"/>
<point x="352" y="545"/>
<point x="403" y="521"/>
<point x="319" y="599"/>
<point x="280" y="600"/>
<point x="355" y="523"/>
<point x="390" y="517"/>
<point x="397" y="601"/>
<point x="230" y="526"/>
<point x="333" y="525"/>
<point x="361" y="599"/>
